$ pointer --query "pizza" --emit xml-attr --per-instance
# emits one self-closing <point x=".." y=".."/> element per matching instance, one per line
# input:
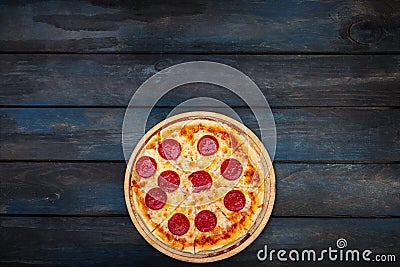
<point x="199" y="186"/>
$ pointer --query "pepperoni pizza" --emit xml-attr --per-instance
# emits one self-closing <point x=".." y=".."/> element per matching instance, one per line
<point x="200" y="186"/>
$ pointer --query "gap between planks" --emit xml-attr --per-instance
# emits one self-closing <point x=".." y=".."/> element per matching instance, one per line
<point x="272" y="107"/>
<point x="44" y="215"/>
<point x="275" y="161"/>
<point x="187" y="53"/>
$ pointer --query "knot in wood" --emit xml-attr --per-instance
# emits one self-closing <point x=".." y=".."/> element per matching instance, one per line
<point x="365" y="31"/>
<point x="53" y="197"/>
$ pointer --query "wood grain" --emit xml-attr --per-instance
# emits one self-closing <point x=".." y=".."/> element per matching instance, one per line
<point x="97" y="189"/>
<point x="115" y="241"/>
<point x="62" y="188"/>
<point x="303" y="134"/>
<point x="330" y="69"/>
<point x="111" y="80"/>
<point x="205" y="26"/>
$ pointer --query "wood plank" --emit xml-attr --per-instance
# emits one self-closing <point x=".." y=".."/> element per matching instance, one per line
<point x="327" y="134"/>
<point x="97" y="189"/>
<point x="62" y="188"/>
<point x="115" y="241"/>
<point x="111" y="80"/>
<point x="205" y="26"/>
<point x="337" y="189"/>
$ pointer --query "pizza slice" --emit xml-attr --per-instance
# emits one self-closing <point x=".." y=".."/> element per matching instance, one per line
<point x="178" y="230"/>
<point x="203" y="143"/>
<point x="154" y="196"/>
<point x="151" y="205"/>
<point x="243" y="205"/>
<point x="214" y="230"/>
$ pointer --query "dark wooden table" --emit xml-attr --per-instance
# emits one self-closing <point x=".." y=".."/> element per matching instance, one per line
<point x="329" y="69"/>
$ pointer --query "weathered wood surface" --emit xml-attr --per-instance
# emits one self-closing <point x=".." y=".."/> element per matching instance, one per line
<point x="112" y="241"/>
<point x="111" y="80"/>
<point x="202" y="26"/>
<point x="330" y="70"/>
<point x="97" y="189"/>
<point x="327" y="134"/>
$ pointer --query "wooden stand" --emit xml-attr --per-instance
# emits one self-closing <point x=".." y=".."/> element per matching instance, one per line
<point x="236" y="246"/>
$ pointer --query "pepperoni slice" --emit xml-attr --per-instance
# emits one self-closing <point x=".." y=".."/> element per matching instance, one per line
<point x="201" y="180"/>
<point x="169" y="149"/>
<point x="207" y="145"/>
<point x="234" y="142"/>
<point x="231" y="169"/>
<point x="146" y="166"/>
<point x="156" y="198"/>
<point x="205" y="221"/>
<point x="178" y="224"/>
<point x="169" y="181"/>
<point x="256" y="179"/>
<point x="234" y="200"/>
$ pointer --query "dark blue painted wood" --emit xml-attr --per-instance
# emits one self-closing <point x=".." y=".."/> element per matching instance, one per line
<point x="365" y="135"/>
<point x="114" y="241"/>
<point x="111" y="80"/>
<point x="201" y="26"/>
<point x="97" y="189"/>
<point x="330" y="134"/>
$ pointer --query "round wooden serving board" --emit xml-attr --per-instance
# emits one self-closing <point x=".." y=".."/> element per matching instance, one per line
<point x="236" y="246"/>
